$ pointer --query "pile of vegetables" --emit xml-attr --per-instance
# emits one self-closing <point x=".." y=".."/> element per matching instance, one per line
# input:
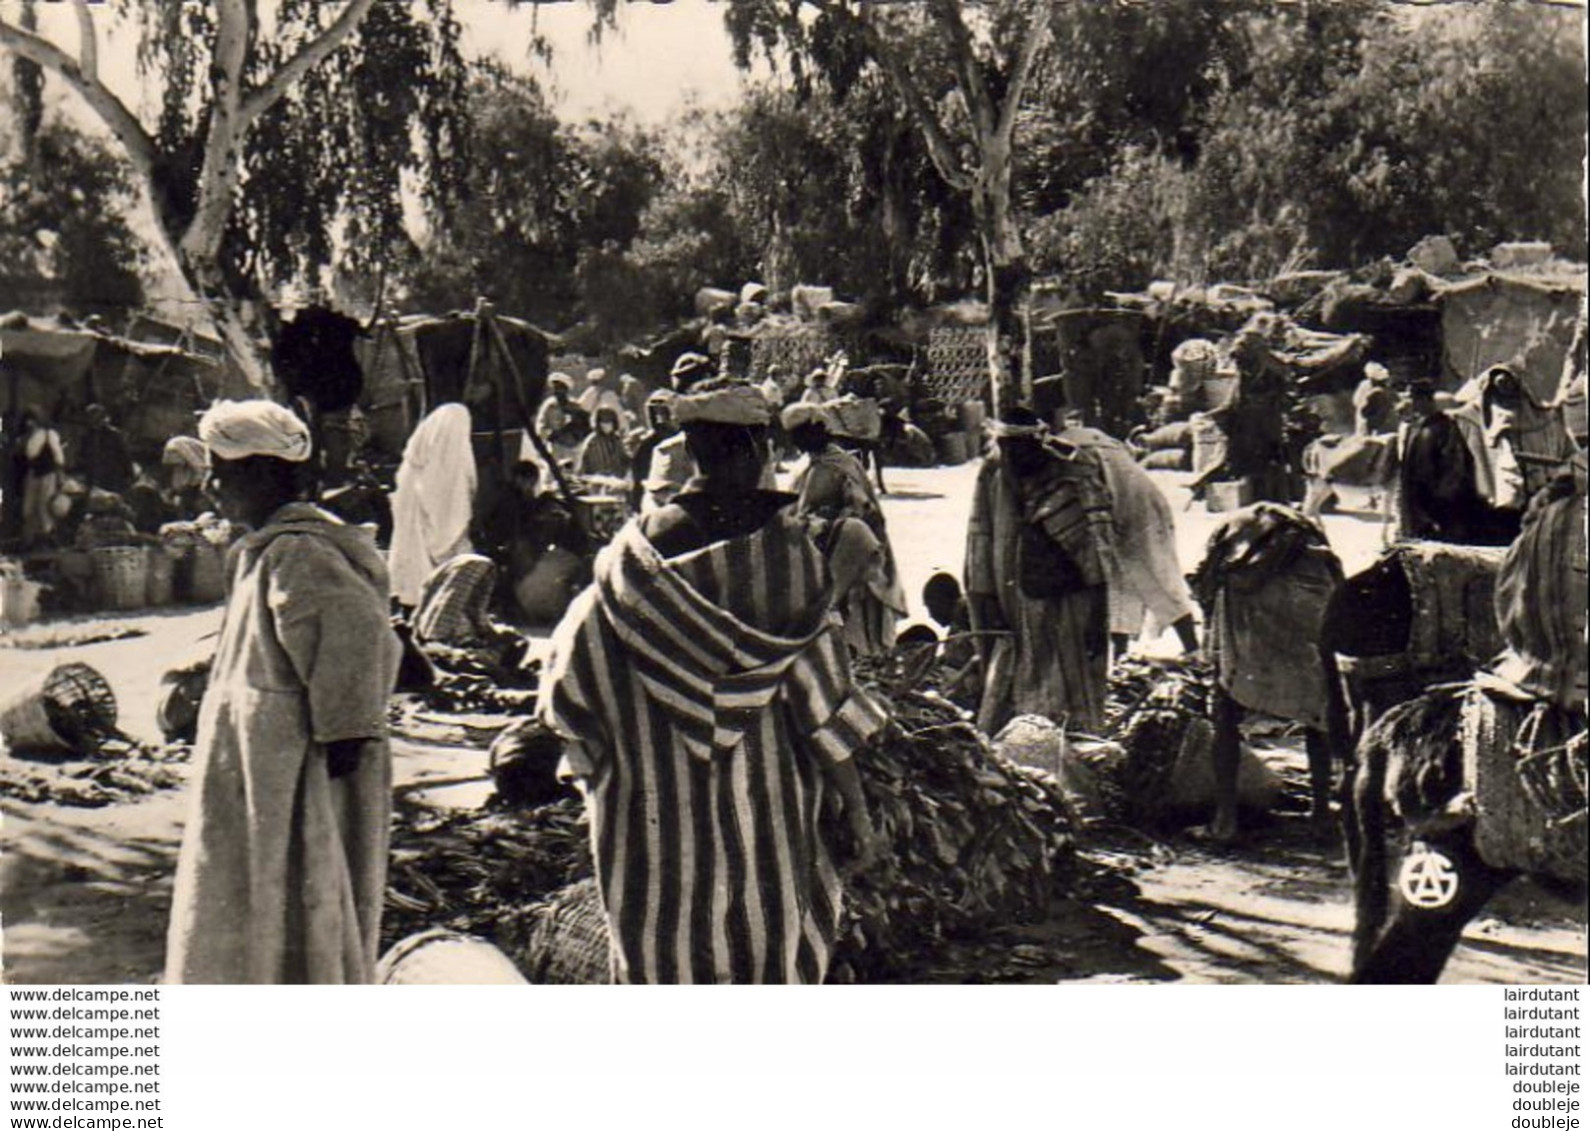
<point x="975" y="842"/>
<point x="121" y="770"/>
<point x="478" y="872"/>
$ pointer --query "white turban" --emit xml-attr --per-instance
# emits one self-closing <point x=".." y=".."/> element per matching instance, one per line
<point x="804" y="412"/>
<point x="185" y="451"/>
<point x="240" y="429"/>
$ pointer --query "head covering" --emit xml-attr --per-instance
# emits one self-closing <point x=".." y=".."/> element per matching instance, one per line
<point x="689" y="369"/>
<point x="560" y="379"/>
<point x="240" y="429"/>
<point x="753" y="292"/>
<point x="733" y="404"/>
<point x="1018" y="423"/>
<point x="804" y="412"/>
<point x="1194" y="351"/>
<point x="816" y="377"/>
<point x="434" y="498"/>
<point x="665" y="397"/>
<point x="185" y="451"/>
<point x="1376" y="372"/>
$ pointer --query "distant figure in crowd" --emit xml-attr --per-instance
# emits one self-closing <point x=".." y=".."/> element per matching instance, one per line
<point x="1439" y="493"/>
<point x="820" y="387"/>
<point x="709" y="707"/>
<point x="187" y="465"/>
<point x="659" y="427"/>
<point x="433" y="503"/>
<point x="1265" y="584"/>
<point x="603" y="451"/>
<point x="283" y="864"/>
<point x="834" y="489"/>
<point x="1516" y="442"/>
<point x="43" y="472"/>
<point x="559" y="421"/>
<point x="632" y="398"/>
<point x="946" y="604"/>
<point x="1366" y="456"/>
<point x="1037" y="566"/>
<point x="671" y="465"/>
<point x="103" y="458"/>
<point x="1147" y="591"/>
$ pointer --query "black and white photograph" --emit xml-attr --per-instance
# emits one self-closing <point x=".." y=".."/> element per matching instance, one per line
<point x="942" y="493"/>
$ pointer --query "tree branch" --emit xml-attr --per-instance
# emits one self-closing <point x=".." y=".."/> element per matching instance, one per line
<point x="963" y="53"/>
<point x="310" y="56"/>
<point x="223" y="137"/>
<point x="1032" y="45"/>
<point x="88" y="48"/>
<point x="135" y="140"/>
<point x="940" y="148"/>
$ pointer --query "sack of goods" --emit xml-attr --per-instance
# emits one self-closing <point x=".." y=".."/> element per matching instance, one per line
<point x="855" y="418"/>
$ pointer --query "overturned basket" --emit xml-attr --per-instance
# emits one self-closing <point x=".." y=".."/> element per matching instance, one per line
<point x="72" y="709"/>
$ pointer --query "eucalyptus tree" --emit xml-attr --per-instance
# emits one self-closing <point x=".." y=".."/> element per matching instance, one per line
<point x="272" y="138"/>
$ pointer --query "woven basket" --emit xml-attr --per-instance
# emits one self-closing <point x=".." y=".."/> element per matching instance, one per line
<point x="568" y="942"/>
<point x="446" y="958"/>
<point x="121" y="576"/>
<point x="160" y="581"/>
<point x="205" y="574"/>
<point x="70" y="708"/>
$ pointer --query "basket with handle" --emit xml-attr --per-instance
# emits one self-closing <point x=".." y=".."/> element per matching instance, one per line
<point x="120" y="576"/>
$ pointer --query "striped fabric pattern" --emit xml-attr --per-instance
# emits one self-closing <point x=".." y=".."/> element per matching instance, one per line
<point x="1055" y="660"/>
<point x="1071" y="502"/>
<point x="455" y="602"/>
<point x="704" y="695"/>
<point x="1540" y="603"/>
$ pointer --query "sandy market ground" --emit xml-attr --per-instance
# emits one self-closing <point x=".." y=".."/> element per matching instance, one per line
<point x="86" y="891"/>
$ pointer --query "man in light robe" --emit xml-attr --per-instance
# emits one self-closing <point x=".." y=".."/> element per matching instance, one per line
<point x="709" y="707"/>
<point x="284" y="855"/>
<point x="1038" y="551"/>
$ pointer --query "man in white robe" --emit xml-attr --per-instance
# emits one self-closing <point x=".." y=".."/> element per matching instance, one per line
<point x="284" y="856"/>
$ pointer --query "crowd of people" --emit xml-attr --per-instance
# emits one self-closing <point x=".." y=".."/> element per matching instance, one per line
<point x="701" y="672"/>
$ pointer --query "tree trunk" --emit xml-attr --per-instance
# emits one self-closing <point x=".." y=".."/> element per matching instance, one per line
<point x="229" y="311"/>
<point x="1006" y="276"/>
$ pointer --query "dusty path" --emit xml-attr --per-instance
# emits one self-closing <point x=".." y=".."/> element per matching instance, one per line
<point x="84" y="892"/>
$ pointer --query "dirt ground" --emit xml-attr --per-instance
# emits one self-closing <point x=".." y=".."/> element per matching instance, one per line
<point x="84" y="892"/>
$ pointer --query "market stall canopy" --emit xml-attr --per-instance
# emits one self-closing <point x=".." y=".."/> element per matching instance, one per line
<point x="153" y="392"/>
<point x="1521" y="319"/>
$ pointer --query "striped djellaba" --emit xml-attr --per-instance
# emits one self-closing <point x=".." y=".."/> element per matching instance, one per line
<point x="703" y="695"/>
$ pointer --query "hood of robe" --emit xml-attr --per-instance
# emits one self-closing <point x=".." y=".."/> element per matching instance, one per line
<point x="356" y="543"/>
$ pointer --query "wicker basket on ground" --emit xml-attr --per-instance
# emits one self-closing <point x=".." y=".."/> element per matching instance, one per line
<point x="121" y="576"/>
<point x="71" y="709"/>
<point x="160" y="581"/>
<point x="204" y="573"/>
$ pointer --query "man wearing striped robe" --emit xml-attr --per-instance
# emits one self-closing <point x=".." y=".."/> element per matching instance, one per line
<point x="709" y="708"/>
<point x="1038" y="555"/>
